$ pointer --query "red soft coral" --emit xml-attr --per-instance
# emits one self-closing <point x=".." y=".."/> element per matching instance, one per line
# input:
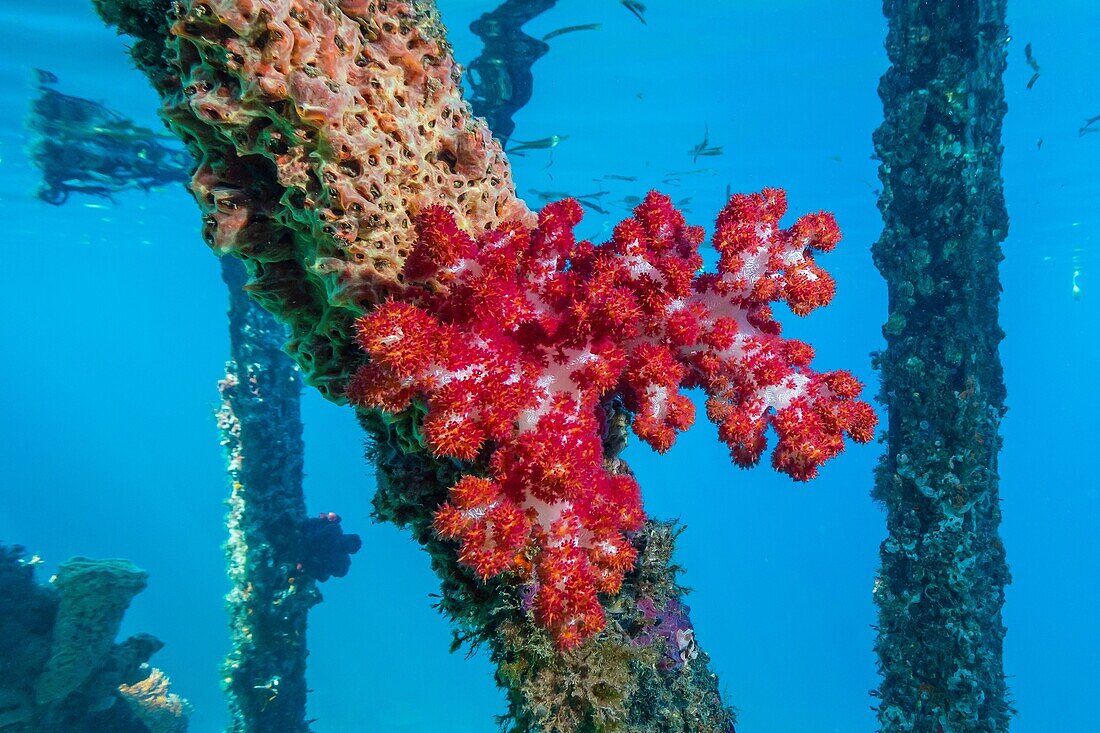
<point x="533" y="330"/>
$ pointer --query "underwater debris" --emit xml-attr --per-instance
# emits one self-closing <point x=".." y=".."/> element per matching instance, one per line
<point x="82" y="146"/>
<point x="572" y="29"/>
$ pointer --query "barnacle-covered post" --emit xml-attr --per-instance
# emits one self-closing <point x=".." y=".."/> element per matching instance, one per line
<point x="270" y="594"/>
<point x="941" y="584"/>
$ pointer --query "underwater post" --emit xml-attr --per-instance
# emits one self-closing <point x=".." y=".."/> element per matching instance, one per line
<point x="261" y="432"/>
<point x="941" y="585"/>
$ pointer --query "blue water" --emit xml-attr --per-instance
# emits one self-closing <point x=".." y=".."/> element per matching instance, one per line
<point x="113" y="321"/>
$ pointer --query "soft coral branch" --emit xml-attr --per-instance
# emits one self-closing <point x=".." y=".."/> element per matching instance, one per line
<point x="516" y="337"/>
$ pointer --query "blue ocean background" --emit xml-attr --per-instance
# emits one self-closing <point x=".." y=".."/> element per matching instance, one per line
<point x="113" y="320"/>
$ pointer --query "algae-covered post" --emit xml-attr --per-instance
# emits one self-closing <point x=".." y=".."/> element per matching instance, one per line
<point x="269" y="597"/>
<point x="496" y="361"/>
<point x="941" y="584"/>
<point x="276" y="554"/>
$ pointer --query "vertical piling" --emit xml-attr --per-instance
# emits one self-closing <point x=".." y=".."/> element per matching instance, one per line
<point x="270" y="596"/>
<point x="941" y="584"/>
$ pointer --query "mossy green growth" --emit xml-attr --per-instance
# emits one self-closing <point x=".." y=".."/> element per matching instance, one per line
<point x="408" y="427"/>
<point x="894" y="325"/>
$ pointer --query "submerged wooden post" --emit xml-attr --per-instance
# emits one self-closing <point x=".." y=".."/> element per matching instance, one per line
<point x="941" y="584"/>
<point x="270" y="595"/>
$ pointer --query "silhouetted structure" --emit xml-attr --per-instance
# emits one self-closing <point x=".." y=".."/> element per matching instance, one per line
<point x="500" y="78"/>
<point x="84" y="147"/>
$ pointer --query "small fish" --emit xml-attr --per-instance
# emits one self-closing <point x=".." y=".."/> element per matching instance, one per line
<point x="704" y="148"/>
<point x="702" y="145"/>
<point x="630" y="201"/>
<point x="1030" y="58"/>
<point x="545" y="143"/>
<point x="693" y="172"/>
<point x="584" y="199"/>
<point x="1034" y="66"/>
<point x="1092" y="120"/>
<point x="1086" y="130"/>
<point x="550" y="195"/>
<point x="613" y="177"/>
<point x="589" y="205"/>
<point x="637" y="8"/>
<point x="1039" y="144"/>
<point x="606" y="225"/>
<point x="572" y="29"/>
<point x="684" y="201"/>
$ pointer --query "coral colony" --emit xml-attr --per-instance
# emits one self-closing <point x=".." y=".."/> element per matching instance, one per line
<point x="524" y="333"/>
<point x="379" y="221"/>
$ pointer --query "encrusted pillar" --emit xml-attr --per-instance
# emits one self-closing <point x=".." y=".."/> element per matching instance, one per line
<point x="270" y="595"/>
<point x="941" y="584"/>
